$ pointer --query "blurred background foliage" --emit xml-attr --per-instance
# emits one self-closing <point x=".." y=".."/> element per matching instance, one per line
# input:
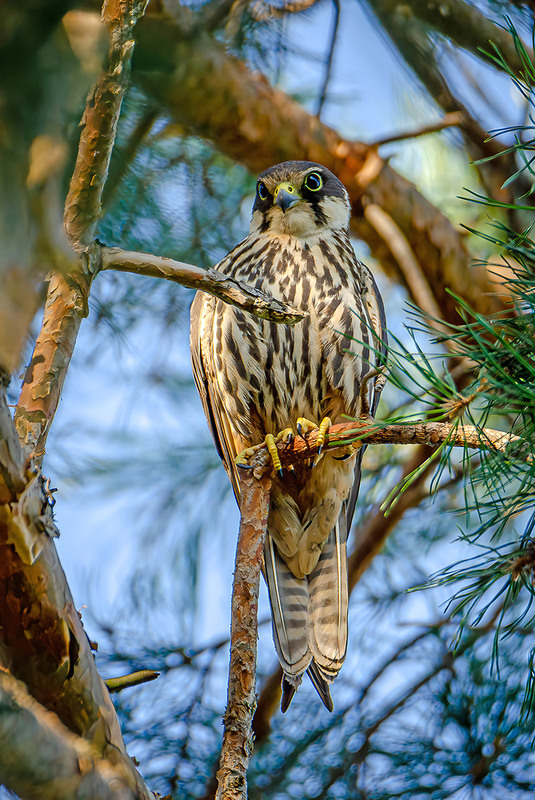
<point x="423" y="708"/>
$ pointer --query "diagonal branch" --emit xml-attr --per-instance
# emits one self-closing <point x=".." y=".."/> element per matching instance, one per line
<point x="209" y="280"/>
<point x="67" y="298"/>
<point x="241" y="702"/>
<point x="231" y="106"/>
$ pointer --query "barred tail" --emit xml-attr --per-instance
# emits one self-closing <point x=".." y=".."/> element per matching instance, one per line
<point x="289" y="610"/>
<point x="310" y="616"/>
<point x="328" y="605"/>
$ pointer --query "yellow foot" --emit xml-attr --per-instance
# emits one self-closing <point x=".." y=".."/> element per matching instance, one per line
<point x="271" y="443"/>
<point x="305" y="425"/>
<point x="325" y="424"/>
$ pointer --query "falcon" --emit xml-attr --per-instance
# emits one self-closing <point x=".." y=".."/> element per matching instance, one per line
<point x="259" y="379"/>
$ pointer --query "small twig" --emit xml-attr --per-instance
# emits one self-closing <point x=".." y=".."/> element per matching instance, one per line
<point x="133" y="679"/>
<point x="241" y="701"/>
<point x="451" y="120"/>
<point x="209" y="280"/>
<point x="330" y="57"/>
<point x="261" y="10"/>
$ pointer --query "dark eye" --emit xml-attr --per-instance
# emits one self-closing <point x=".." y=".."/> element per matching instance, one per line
<point x="313" y="181"/>
<point x="262" y="191"/>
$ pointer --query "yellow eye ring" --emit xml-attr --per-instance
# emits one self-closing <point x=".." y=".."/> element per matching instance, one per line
<point x="262" y="191"/>
<point x="313" y="182"/>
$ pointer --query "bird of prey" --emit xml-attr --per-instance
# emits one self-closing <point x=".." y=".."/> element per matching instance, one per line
<point x="257" y="378"/>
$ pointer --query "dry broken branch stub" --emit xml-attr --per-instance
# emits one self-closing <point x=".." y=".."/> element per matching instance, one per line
<point x="209" y="280"/>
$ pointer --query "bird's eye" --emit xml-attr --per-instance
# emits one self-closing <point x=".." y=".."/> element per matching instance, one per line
<point x="262" y="191"/>
<point x="313" y="181"/>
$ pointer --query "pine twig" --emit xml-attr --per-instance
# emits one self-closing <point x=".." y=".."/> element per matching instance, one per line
<point x="451" y="120"/>
<point x="241" y="702"/>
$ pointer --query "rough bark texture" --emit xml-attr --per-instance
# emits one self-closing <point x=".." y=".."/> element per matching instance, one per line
<point x="67" y="297"/>
<point x="99" y="124"/>
<point x="43" y="642"/>
<point x="61" y="766"/>
<point x="241" y="702"/>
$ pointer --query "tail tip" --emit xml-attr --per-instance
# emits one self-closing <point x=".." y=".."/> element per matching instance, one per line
<point x="288" y="691"/>
<point x="289" y="688"/>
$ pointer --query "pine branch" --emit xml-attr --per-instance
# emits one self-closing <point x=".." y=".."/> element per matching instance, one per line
<point x="99" y="125"/>
<point x="42" y="635"/>
<point x="209" y="280"/>
<point x="241" y="701"/>
<point x="368" y="432"/>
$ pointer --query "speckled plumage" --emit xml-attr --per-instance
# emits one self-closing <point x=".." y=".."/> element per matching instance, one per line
<point x="257" y="377"/>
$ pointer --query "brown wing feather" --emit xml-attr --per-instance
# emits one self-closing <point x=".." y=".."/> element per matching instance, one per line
<point x="218" y="422"/>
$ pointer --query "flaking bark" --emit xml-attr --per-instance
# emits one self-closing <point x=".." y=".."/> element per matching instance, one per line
<point x="61" y="766"/>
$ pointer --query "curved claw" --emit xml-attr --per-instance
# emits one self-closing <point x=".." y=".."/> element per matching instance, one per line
<point x="273" y="452"/>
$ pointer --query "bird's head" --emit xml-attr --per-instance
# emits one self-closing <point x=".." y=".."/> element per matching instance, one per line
<point x="299" y="198"/>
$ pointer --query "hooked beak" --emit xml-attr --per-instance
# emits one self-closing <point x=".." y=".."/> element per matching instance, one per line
<point x="286" y="195"/>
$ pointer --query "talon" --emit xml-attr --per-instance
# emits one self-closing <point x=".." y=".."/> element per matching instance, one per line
<point x="304" y="425"/>
<point x="350" y="450"/>
<point x="325" y="424"/>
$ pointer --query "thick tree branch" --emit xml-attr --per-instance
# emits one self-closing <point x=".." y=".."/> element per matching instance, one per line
<point x="43" y="760"/>
<point x="241" y="702"/>
<point x="209" y="280"/>
<point x="413" y="42"/>
<point x="12" y="477"/>
<point x="467" y="27"/>
<point x="41" y="631"/>
<point x="214" y="95"/>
